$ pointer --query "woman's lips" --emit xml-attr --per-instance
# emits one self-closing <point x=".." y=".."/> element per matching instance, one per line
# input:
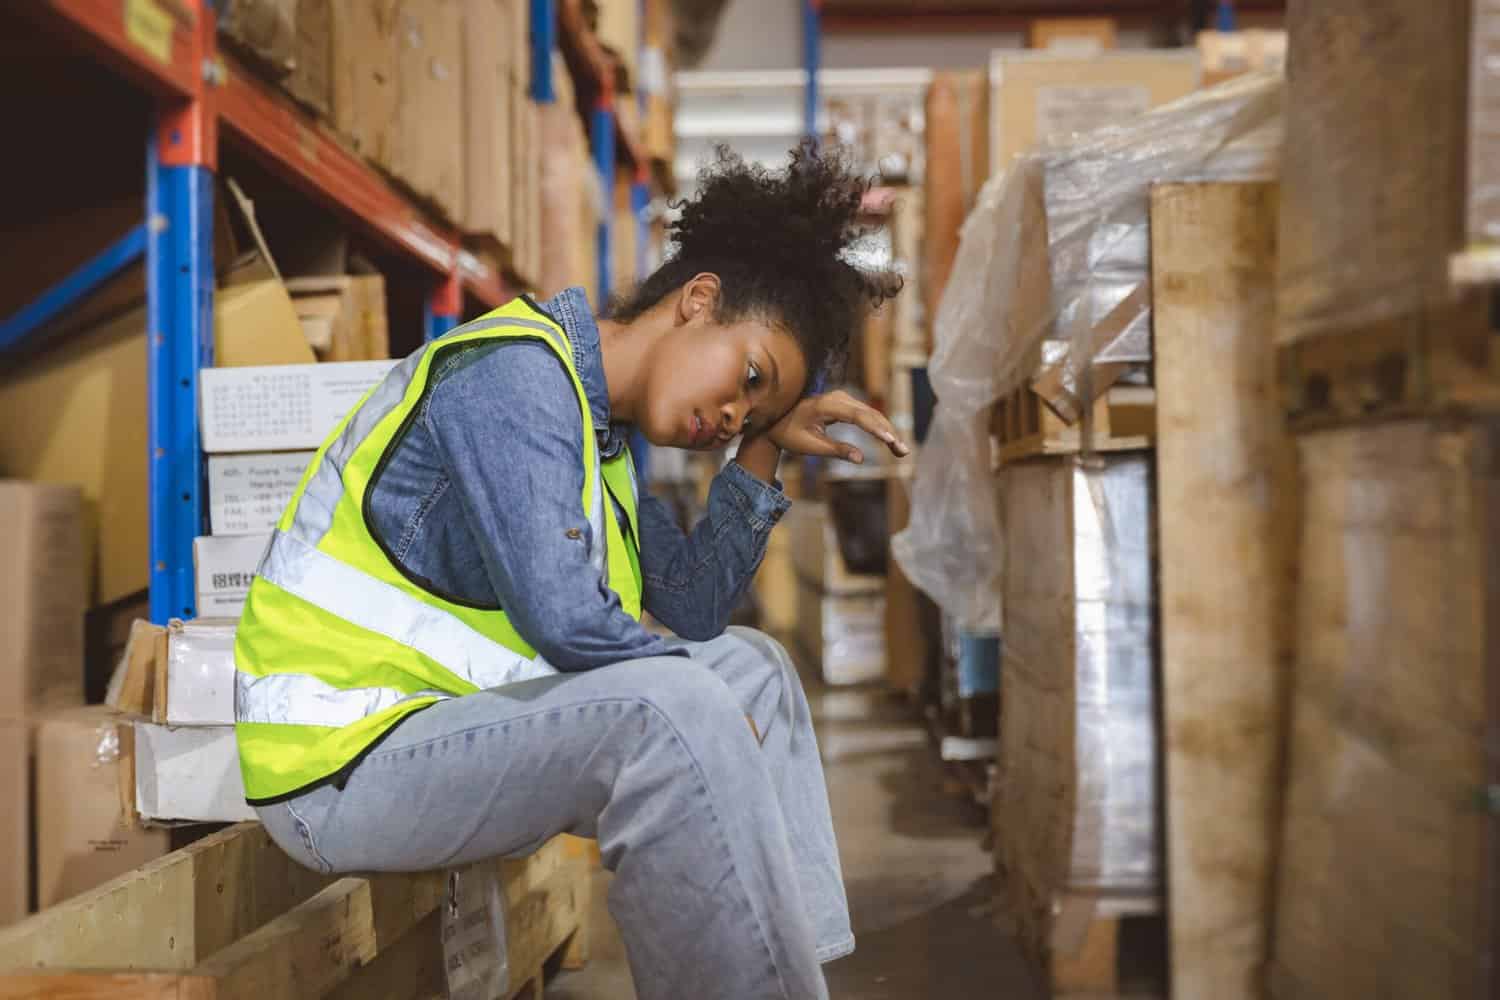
<point x="702" y="433"/>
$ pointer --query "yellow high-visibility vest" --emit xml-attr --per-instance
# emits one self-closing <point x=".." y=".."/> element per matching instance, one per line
<point x="337" y="642"/>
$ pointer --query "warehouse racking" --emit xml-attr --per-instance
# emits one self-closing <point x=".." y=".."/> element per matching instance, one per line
<point x="167" y="53"/>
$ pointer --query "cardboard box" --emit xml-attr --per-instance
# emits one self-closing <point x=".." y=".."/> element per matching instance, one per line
<point x="247" y="494"/>
<point x="195" y="685"/>
<point x="189" y="773"/>
<point x="1035" y="96"/>
<point x="843" y="636"/>
<point x="43" y="592"/>
<point x="343" y="317"/>
<point x="815" y="552"/>
<point x="624" y="238"/>
<point x="280" y="408"/>
<point x="619" y="29"/>
<point x="1072" y="35"/>
<point x="15" y="821"/>
<point x="290" y="39"/>
<point x="1229" y="53"/>
<point x="76" y="413"/>
<point x="223" y="566"/>
<point x="83" y="836"/>
<point x="428" y="154"/>
<point x="397" y="91"/>
<point x="265" y="308"/>
<point x="488" y="79"/>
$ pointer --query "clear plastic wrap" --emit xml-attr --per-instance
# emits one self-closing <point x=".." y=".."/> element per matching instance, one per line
<point x="1093" y="223"/>
<point x="1052" y="278"/>
<point x="1079" y="689"/>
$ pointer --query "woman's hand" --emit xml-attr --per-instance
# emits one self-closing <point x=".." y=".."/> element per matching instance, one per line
<point x="804" y="430"/>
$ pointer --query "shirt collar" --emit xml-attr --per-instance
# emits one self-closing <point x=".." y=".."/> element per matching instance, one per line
<point x="573" y="313"/>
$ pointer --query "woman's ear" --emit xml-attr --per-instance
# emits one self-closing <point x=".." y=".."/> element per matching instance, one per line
<point x="698" y="298"/>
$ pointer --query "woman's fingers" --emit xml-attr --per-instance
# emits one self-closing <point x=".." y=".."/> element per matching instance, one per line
<point x="821" y="445"/>
<point x="847" y="409"/>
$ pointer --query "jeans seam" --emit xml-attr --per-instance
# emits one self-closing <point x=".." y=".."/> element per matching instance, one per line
<point x="305" y="830"/>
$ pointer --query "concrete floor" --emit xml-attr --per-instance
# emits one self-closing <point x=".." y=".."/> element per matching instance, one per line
<point x="920" y="884"/>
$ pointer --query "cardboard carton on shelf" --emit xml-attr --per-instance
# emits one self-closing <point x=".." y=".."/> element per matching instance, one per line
<point x="223" y="566"/>
<point x="282" y="407"/>
<point x="1079" y="36"/>
<point x="43" y="589"/>
<point x="189" y="773"/>
<point x="289" y="40"/>
<point x="1230" y="53"/>
<point x="247" y="494"/>
<point x="84" y="835"/>
<point x="398" y="93"/>
<point x="178" y="675"/>
<point x="76" y="411"/>
<point x="488" y="129"/>
<point x="1037" y="96"/>
<point x="343" y="316"/>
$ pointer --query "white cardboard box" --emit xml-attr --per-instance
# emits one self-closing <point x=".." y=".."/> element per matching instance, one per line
<point x="223" y="566"/>
<point x="247" y="493"/>
<point x="280" y="407"/>
<point x="200" y="674"/>
<point x="192" y="773"/>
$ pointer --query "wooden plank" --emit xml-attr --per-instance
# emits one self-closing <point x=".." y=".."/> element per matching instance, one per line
<point x="1123" y="419"/>
<point x="169" y="914"/>
<point x="1378" y="879"/>
<point x="1227" y="489"/>
<point x="412" y="968"/>
<point x="304" y="952"/>
<point x="105" y="986"/>
<point x="547" y="898"/>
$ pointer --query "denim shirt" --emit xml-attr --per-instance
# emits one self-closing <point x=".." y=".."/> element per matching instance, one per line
<point x="480" y="500"/>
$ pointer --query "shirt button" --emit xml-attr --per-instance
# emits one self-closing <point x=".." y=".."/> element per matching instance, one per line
<point x="574" y="533"/>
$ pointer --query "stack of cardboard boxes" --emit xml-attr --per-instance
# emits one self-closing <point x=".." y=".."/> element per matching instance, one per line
<point x="65" y="830"/>
<point x="433" y="93"/>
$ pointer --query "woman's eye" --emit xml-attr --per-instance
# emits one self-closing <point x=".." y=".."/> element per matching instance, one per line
<point x="752" y="377"/>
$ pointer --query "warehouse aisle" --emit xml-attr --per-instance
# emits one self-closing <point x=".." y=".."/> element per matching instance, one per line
<point x="919" y="881"/>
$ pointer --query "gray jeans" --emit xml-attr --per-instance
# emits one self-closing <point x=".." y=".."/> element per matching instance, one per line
<point x="727" y="880"/>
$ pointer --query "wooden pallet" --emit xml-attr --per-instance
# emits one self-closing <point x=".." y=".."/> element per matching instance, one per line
<point x="1124" y="419"/>
<point x="1088" y="945"/>
<point x="1439" y="361"/>
<point x="232" y="916"/>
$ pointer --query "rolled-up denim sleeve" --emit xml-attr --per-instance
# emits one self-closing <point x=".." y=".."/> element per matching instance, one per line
<point x="510" y="435"/>
<point x="694" y="580"/>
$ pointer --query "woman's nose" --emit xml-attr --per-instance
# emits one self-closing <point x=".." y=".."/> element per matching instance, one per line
<point x="732" y="416"/>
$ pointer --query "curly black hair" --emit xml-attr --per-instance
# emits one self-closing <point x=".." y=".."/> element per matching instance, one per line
<point x="777" y="240"/>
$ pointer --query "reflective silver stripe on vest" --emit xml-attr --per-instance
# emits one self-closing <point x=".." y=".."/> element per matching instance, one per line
<point x="301" y="700"/>
<point x="325" y="488"/>
<point x="360" y="599"/>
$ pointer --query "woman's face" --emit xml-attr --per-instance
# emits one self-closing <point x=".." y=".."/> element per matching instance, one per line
<point x="707" y="382"/>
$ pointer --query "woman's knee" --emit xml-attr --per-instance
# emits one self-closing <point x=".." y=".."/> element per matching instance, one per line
<point x="772" y="657"/>
<point x="685" y="696"/>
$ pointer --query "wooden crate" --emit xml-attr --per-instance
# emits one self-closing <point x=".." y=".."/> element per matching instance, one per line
<point x="1123" y="419"/>
<point x="233" y="916"/>
<point x="1227" y="517"/>
<point x="1077" y="835"/>
<point x="1376" y="187"/>
<point x="1381" y="883"/>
